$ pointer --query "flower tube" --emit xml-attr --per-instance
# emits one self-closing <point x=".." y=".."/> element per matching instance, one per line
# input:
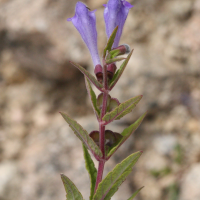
<point x="115" y="14"/>
<point x="85" y="22"/>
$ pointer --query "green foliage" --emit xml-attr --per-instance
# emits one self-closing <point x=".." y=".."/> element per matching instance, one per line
<point x="88" y="75"/>
<point x="122" y="109"/>
<point x="110" y="41"/>
<point x="72" y="192"/>
<point x="119" y="72"/>
<point x="116" y="177"/>
<point x="134" y="194"/>
<point x="109" y="61"/>
<point x="114" y="53"/>
<point x="126" y="133"/>
<point x="92" y="96"/>
<point x="89" y="164"/>
<point x="82" y="135"/>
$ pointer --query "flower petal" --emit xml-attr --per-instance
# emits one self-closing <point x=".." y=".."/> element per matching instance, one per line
<point x="115" y="14"/>
<point x="85" y="22"/>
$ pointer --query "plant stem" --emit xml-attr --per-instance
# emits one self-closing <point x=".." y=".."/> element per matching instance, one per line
<point x="102" y="127"/>
<point x="99" y="173"/>
<point x="102" y="139"/>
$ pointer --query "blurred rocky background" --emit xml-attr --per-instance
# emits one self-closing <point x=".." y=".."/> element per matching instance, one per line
<point x="37" y="81"/>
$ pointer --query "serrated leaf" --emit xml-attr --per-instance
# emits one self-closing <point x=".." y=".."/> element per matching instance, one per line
<point x="92" y="96"/>
<point x="88" y="75"/>
<point x="89" y="164"/>
<point x="120" y="71"/>
<point x="114" y="60"/>
<point x="122" y="109"/>
<point x="126" y="133"/>
<point x="71" y="189"/>
<point x="116" y="177"/>
<point x="134" y="194"/>
<point x="82" y="135"/>
<point x="110" y="41"/>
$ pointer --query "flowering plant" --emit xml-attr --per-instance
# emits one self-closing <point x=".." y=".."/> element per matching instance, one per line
<point x="104" y="143"/>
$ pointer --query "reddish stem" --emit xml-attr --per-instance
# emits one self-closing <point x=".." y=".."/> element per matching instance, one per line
<point x="102" y="138"/>
<point x="100" y="173"/>
<point x="102" y="127"/>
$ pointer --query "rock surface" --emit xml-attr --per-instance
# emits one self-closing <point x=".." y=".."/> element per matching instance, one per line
<point x="37" y="81"/>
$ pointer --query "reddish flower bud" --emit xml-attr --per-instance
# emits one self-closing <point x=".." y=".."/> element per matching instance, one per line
<point x="99" y="73"/>
<point x="123" y="49"/>
<point x="111" y="68"/>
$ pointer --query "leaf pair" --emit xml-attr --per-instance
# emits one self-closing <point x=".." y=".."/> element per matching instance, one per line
<point x="117" y="111"/>
<point x="90" y="143"/>
<point x="115" y="140"/>
<point x="109" y="184"/>
<point x="115" y="78"/>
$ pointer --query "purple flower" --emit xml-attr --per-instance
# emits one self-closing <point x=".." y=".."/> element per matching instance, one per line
<point x="115" y="14"/>
<point x="85" y="22"/>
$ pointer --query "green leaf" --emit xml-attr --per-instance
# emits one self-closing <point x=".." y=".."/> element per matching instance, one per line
<point x="114" y="60"/>
<point x="126" y="133"/>
<point x="122" y="109"/>
<point x="92" y="96"/>
<point x="88" y="75"/>
<point x="82" y="135"/>
<point x="120" y="71"/>
<point x="135" y="193"/>
<point x="110" y="41"/>
<point x="71" y="189"/>
<point x="114" y="53"/>
<point x="116" y="177"/>
<point x="91" y="170"/>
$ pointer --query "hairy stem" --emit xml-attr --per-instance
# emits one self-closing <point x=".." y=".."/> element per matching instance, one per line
<point x="102" y="127"/>
<point x="99" y="173"/>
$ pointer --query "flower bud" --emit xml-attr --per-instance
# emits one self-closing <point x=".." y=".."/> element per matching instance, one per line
<point x="123" y="49"/>
<point x="111" y="68"/>
<point x="99" y="73"/>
